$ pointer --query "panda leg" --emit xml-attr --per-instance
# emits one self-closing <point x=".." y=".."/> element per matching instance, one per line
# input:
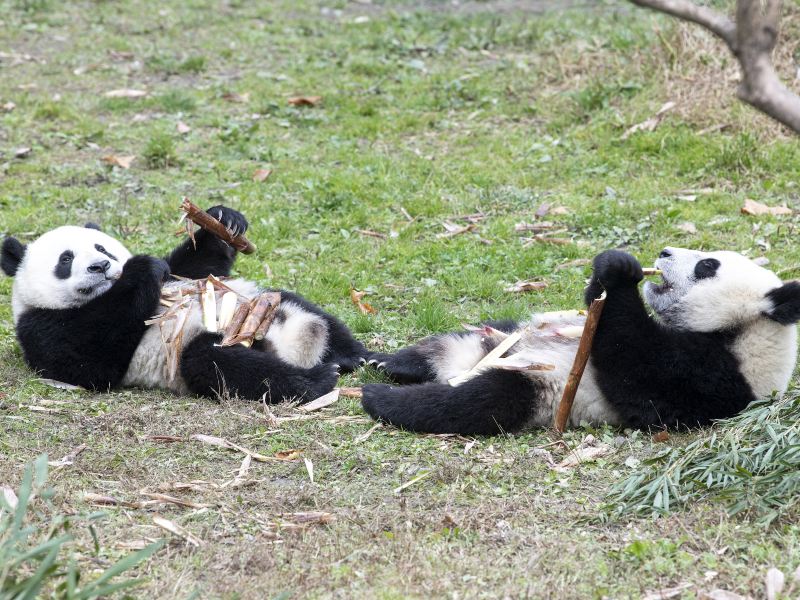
<point x="493" y="402"/>
<point x="209" y="370"/>
<point x="437" y="358"/>
<point x="409" y="365"/>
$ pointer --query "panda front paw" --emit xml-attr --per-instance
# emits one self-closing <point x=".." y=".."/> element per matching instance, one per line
<point x="233" y="220"/>
<point x="614" y="269"/>
<point x="143" y="266"/>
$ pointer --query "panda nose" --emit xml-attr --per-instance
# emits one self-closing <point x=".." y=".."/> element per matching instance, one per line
<point x="99" y="267"/>
<point x="665" y="253"/>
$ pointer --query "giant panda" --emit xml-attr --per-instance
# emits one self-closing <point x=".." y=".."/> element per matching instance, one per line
<point x="723" y="334"/>
<point x="80" y="301"/>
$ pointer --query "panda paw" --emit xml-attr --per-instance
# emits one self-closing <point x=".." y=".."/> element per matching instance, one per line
<point x="614" y="269"/>
<point x="233" y="220"/>
<point x="143" y="266"/>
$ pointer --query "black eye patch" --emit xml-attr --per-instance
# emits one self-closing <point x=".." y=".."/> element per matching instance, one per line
<point x="706" y="268"/>
<point x="100" y="248"/>
<point x="64" y="265"/>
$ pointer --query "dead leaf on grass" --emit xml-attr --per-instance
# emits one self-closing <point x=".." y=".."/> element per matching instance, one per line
<point x="173" y="500"/>
<point x="261" y="175"/>
<point x="69" y="458"/>
<point x="526" y="286"/>
<point x="688" y="227"/>
<point x="60" y="385"/>
<point x="8" y="107"/>
<point x="9" y="496"/>
<point x="123" y="161"/>
<point x="177" y="530"/>
<point x="535" y="227"/>
<point x="288" y="455"/>
<point x="751" y="207"/>
<point x="236" y="98"/>
<point x="305" y="100"/>
<point x="166" y="438"/>
<point x="661" y="436"/>
<point x="309" y="468"/>
<point x="649" y="124"/>
<point x="560" y="210"/>
<point x="223" y="443"/>
<point x="411" y="482"/>
<point x="321" y="402"/>
<point x="103" y="500"/>
<point x="370" y="233"/>
<point x="671" y="592"/>
<point x="543" y="209"/>
<point x="24" y="152"/>
<point x="590" y="449"/>
<point x="722" y="595"/>
<point x="774" y="582"/>
<point x="578" y="262"/>
<point x="453" y="229"/>
<point x="309" y="518"/>
<point x="182" y="127"/>
<point x="126" y="93"/>
<point x="356" y="296"/>
<point x="365" y="436"/>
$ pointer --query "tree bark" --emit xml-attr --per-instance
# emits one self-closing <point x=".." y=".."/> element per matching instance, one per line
<point x="751" y="39"/>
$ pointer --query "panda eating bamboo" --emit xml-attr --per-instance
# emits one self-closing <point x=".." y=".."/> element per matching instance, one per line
<point x="80" y="301"/>
<point x="724" y="334"/>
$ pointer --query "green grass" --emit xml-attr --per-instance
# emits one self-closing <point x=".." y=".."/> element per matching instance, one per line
<point x="429" y="113"/>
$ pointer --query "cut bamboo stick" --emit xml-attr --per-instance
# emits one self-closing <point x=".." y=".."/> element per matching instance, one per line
<point x="579" y="364"/>
<point x="210" y="224"/>
<point x="269" y="316"/>
<point x="227" y="307"/>
<point x="487" y="360"/>
<point x="210" y="308"/>
<point x="232" y="330"/>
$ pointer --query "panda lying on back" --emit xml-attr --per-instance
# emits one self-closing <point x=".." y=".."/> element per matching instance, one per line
<point x="80" y="301"/>
<point x="724" y="336"/>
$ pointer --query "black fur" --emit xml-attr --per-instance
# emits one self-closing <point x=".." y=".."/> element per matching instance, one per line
<point x="406" y="366"/>
<point x="706" y="268"/>
<point x="654" y="375"/>
<point x="92" y="345"/>
<point x="493" y="402"/>
<point x="786" y="303"/>
<point x="11" y="255"/>
<point x="250" y="374"/>
<point x="208" y="255"/>
<point x="63" y="268"/>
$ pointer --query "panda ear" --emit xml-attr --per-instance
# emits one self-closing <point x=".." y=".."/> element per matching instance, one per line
<point x="91" y="225"/>
<point x="785" y="303"/>
<point x="12" y="253"/>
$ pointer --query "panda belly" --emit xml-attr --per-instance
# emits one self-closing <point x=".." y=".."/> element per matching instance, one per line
<point x="298" y="337"/>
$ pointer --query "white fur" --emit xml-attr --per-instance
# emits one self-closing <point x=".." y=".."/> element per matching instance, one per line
<point x="35" y="282"/>
<point x="300" y="338"/>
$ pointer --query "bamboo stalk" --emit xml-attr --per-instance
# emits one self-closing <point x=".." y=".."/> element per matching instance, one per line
<point x="579" y="364"/>
<point x="269" y="317"/>
<point x="235" y="324"/>
<point x="487" y="360"/>
<point x="210" y="224"/>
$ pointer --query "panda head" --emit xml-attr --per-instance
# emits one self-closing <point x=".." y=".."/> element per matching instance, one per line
<point x="716" y="291"/>
<point x="63" y="268"/>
